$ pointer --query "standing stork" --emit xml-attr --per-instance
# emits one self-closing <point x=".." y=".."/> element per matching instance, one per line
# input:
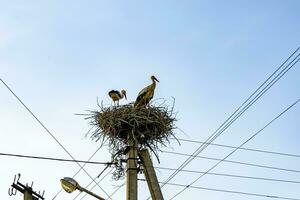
<point x="146" y="94"/>
<point x="115" y="95"/>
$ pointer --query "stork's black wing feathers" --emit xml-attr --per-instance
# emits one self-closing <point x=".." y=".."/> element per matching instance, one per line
<point x="139" y="97"/>
<point x="115" y="92"/>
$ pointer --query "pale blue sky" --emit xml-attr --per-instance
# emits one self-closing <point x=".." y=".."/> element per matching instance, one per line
<point x="58" y="56"/>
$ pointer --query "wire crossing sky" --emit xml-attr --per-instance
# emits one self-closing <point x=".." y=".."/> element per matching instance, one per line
<point x="51" y="134"/>
<point x="266" y="85"/>
<point x="237" y="148"/>
<point x="59" y="57"/>
<point x="247" y="149"/>
<point x="163" y="168"/>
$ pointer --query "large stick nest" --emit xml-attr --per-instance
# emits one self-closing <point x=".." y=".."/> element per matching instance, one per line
<point x="149" y="127"/>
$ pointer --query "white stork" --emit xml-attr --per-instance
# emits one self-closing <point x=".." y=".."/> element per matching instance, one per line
<point x="115" y="95"/>
<point x="146" y="94"/>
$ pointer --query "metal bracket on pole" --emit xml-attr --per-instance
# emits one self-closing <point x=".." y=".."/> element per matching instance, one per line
<point x="29" y="194"/>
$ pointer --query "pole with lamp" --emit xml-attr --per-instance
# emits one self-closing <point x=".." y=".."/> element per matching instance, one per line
<point x="70" y="185"/>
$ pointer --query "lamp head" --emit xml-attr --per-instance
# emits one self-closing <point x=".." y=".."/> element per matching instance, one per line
<point x="69" y="184"/>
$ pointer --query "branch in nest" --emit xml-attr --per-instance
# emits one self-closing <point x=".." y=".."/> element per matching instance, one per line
<point x="150" y="127"/>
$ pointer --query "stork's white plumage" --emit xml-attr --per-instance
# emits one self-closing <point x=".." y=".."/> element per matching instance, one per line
<point x="146" y="94"/>
<point x="115" y="95"/>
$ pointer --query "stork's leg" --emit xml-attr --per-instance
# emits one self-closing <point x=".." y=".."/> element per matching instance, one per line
<point x="118" y="103"/>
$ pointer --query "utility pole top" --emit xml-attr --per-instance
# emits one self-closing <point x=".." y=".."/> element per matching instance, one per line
<point x="26" y="190"/>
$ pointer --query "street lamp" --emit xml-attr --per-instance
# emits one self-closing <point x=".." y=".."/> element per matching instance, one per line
<point x="70" y="185"/>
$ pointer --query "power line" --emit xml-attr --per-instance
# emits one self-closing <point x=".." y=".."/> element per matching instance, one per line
<point x="230" y="191"/>
<point x="231" y="175"/>
<point x="223" y="127"/>
<point x="90" y="158"/>
<point x="47" y="130"/>
<point x="162" y="168"/>
<point x="116" y="190"/>
<point x="243" y="148"/>
<point x="169" y="152"/>
<point x="54" y="159"/>
<point x="250" y="138"/>
<point x="97" y="182"/>
<point x="235" y="162"/>
<point x="233" y="117"/>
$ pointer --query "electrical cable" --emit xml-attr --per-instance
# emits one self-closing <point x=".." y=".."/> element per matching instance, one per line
<point x="249" y="139"/>
<point x="116" y="190"/>
<point x="236" y="162"/>
<point x="232" y="175"/>
<point x="246" y="149"/>
<point x="162" y="168"/>
<point x="47" y="130"/>
<point x="97" y="182"/>
<point x="230" y="191"/>
<point x="168" y="152"/>
<point x="90" y="158"/>
<point x="53" y="159"/>
<point x="233" y="118"/>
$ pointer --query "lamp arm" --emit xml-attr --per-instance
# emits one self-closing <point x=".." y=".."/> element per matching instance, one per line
<point x="89" y="192"/>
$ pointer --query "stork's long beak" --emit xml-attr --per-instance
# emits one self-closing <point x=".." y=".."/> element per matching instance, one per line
<point x="156" y="79"/>
<point x="125" y="96"/>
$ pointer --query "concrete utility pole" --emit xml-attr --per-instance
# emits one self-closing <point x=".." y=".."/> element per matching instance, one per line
<point x="131" y="178"/>
<point x="150" y="175"/>
<point x="27" y="191"/>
